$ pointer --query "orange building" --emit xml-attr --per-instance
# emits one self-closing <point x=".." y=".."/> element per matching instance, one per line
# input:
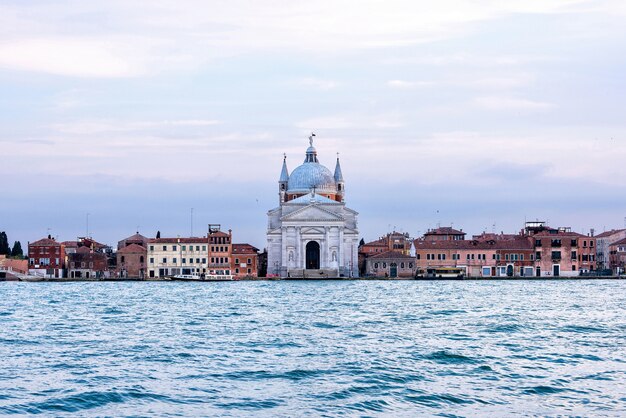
<point x="245" y="260"/>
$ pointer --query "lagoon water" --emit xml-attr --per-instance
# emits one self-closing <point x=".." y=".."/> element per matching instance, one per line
<point x="286" y="348"/>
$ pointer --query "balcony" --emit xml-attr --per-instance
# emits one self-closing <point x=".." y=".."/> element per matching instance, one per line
<point x="218" y="265"/>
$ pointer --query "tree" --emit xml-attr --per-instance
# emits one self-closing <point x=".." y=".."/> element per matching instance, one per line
<point x="4" y="244"/>
<point x="17" y="250"/>
<point x="158" y="234"/>
<point x="362" y="242"/>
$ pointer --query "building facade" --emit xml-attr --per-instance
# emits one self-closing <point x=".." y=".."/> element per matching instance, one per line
<point x="87" y="263"/>
<point x="391" y="264"/>
<point x="312" y="233"/>
<point x="245" y="260"/>
<point x="603" y="242"/>
<point x="172" y="256"/>
<point x="131" y="262"/>
<point x="46" y="257"/>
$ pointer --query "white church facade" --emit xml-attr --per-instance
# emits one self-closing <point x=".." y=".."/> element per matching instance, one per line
<point x="312" y="234"/>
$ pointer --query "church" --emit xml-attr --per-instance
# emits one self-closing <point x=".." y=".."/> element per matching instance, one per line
<point x="312" y="234"/>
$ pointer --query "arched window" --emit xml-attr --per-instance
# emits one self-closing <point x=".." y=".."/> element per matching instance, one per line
<point x="375" y="265"/>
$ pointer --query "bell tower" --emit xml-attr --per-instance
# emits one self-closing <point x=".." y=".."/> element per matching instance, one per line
<point x="283" y="181"/>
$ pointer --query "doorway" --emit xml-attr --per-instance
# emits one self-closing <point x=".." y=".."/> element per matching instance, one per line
<point x="393" y="270"/>
<point x="556" y="270"/>
<point x="312" y="256"/>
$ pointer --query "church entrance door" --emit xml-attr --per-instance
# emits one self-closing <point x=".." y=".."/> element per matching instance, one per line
<point x="312" y="256"/>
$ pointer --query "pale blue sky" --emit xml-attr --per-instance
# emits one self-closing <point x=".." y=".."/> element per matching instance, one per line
<point x="467" y="112"/>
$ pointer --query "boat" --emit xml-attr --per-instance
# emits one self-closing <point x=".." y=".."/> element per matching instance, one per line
<point x="203" y="277"/>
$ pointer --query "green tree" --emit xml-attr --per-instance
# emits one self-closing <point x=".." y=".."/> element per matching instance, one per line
<point x="362" y="242"/>
<point x="158" y="234"/>
<point x="17" y="250"/>
<point x="4" y="244"/>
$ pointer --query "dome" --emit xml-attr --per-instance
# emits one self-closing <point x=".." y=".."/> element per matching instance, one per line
<point x="311" y="175"/>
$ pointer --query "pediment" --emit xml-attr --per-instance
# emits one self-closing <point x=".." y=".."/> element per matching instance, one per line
<point x="312" y="231"/>
<point x="312" y="213"/>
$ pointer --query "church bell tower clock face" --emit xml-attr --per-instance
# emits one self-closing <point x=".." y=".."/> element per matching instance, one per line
<point x="312" y="234"/>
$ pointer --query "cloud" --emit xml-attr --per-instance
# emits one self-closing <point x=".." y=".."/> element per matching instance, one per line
<point x="316" y="83"/>
<point x="99" y="39"/>
<point x="91" y="127"/>
<point x="511" y="103"/>
<point x="402" y="84"/>
<point x="67" y="56"/>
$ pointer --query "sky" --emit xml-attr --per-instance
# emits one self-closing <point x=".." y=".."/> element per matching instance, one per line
<point x="120" y="116"/>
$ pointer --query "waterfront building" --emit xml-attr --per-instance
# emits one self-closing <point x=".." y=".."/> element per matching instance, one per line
<point x="393" y="241"/>
<point x="444" y="233"/>
<point x="220" y="250"/>
<point x="87" y="263"/>
<point x="46" y="257"/>
<point x="561" y="252"/>
<point x="245" y="260"/>
<point x="172" y="256"/>
<point x="617" y="252"/>
<point x="474" y="257"/>
<point x="312" y="233"/>
<point x="133" y="239"/>
<point x="131" y="261"/>
<point x="515" y="254"/>
<point x="390" y="264"/>
<point x="603" y="242"/>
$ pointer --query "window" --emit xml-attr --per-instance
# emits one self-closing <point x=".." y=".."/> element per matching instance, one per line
<point x="521" y="257"/>
<point x="141" y="258"/>
<point x="151" y="260"/>
<point x="82" y="265"/>
<point x="584" y="244"/>
<point x="573" y="267"/>
<point x="419" y="257"/>
<point x="591" y="244"/>
<point x="236" y="271"/>
<point x="173" y="248"/>
<point x="537" y="243"/>
<point x="165" y="248"/>
<point x="384" y="265"/>
<point x="556" y="255"/>
<point x="401" y="265"/>
<point x="375" y="265"/>
<point x="152" y="248"/>
<point x="410" y="265"/>
<point x="174" y="260"/>
<point x="493" y="256"/>
<point x="468" y="256"/>
<point x="506" y="257"/>
<point x="122" y="259"/>
<point x="574" y="255"/>
<point x="236" y="261"/>
<point x="184" y="260"/>
<point x="249" y="261"/>
<point x="249" y="271"/>
<point x="204" y="248"/>
<point x="197" y="248"/>
<point x="532" y="257"/>
<point x="538" y="255"/>
<point x="197" y="261"/>
<point x="204" y="261"/>
<point x="574" y="243"/>
<point x="164" y="260"/>
<point x="184" y="248"/>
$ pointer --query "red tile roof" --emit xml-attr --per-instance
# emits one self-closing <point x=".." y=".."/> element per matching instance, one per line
<point x="609" y="233"/>
<point x="132" y="249"/>
<point x="445" y="230"/>
<point x="45" y="242"/>
<point x="426" y="244"/>
<point x="244" y="249"/>
<point x="620" y="242"/>
<point x="188" y="240"/>
<point x="392" y="254"/>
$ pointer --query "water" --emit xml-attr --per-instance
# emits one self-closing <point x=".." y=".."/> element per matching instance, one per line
<point x="353" y="348"/>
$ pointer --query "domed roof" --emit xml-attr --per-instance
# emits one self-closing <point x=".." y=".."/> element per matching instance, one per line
<point x="311" y="175"/>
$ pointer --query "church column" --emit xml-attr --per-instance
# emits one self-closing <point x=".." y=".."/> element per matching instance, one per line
<point x="326" y="247"/>
<point x="283" y="249"/>
<point x="340" y="259"/>
<point x="298" y="252"/>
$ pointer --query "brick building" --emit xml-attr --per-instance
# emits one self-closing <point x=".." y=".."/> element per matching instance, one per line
<point x="391" y="264"/>
<point x="131" y="261"/>
<point x="220" y="254"/>
<point x="86" y="263"/>
<point x="245" y="260"/>
<point x="444" y="233"/>
<point x="46" y="257"/>
<point x="395" y="241"/>
<point x="472" y="256"/>
<point x="561" y="252"/>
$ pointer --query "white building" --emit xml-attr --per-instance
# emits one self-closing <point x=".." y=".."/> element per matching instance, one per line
<point x="172" y="256"/>
<point x="312" y="233"/>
